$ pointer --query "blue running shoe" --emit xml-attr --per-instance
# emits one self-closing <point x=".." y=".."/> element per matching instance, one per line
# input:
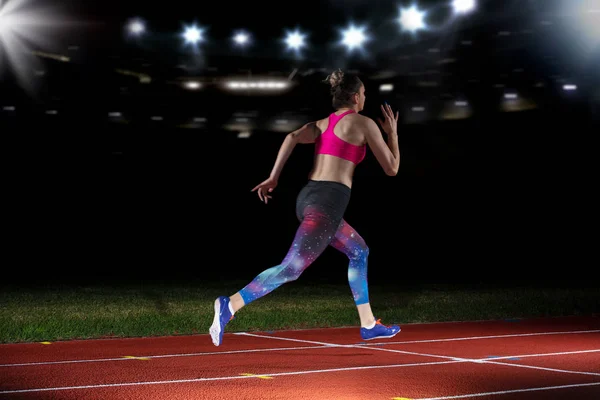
<point x="222" y="318"/>
<point x="379" y="331"/>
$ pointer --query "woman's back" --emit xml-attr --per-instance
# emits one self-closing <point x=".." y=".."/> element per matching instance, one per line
<point x="339" y="147"/>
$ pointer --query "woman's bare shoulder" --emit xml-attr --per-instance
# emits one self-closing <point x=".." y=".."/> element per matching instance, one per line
<point x="361" y="122"/>
<point x="322" y="123"/>
<point x="362" y="119"/>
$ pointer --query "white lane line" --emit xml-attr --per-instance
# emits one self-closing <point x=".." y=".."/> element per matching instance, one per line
<point x="543" y="368"/>
<point x="560" y="353"/>
<point x="459" y="359"/>
<point x="361" y="346"/>
<point x="221" y="378"/>
<point x="296" y="348"/>
<point x="208" y="353"/>
<point x="321" y="344"/>
<point x="488" y="337"/>
<point x="536" y="389"/>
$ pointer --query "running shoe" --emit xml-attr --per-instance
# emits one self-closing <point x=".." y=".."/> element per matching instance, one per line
<point x="222" y="318"/>
<point x="379" y="331"/>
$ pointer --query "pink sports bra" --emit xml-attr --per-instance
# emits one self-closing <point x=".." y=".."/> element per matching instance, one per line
<point x="329" y="143"/>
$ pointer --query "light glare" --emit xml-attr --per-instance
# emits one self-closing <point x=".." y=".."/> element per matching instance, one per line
<point x="136" y="27"/>
<point x="193" y="34"/>
<point x="411" y="19"/>
<point x="295" y="40"/>
<point x="241" y="38"/>
<point x="463" y="6"/>
<point x="354" y="37"/>
<point x="25" y="29"/>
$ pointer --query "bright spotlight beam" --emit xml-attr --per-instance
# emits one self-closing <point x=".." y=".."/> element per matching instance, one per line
<point x="24" y="28"/>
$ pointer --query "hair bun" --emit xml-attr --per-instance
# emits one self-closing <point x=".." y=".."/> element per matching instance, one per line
<point x="335" y="79"/>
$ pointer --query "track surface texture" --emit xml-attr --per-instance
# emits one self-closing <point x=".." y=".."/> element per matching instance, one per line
<point x="554" y="358"/>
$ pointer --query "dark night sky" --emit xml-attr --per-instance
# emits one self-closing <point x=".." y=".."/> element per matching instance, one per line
<point x="501" y="194"/>
<point x="98" y="27"/>
<point x="321" y="19"/>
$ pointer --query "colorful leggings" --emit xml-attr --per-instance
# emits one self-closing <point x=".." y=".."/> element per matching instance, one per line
<point x="320" y="207"/>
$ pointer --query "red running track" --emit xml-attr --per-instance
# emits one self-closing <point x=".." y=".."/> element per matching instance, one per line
<point x="556" y="358"/>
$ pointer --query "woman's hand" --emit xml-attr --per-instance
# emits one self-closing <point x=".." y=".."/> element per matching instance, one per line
<point x="390" y="122"/>
<point x="264" y="188"/>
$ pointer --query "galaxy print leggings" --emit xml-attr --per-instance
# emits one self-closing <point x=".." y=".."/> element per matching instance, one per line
<point x="320" y="208"/>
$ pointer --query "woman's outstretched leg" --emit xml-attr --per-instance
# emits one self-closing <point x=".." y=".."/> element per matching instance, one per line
<point x="312" y="237"/>
<point x="349" y="242"/>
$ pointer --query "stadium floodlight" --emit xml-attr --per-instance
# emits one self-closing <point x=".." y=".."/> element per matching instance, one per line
<point x="354" y="37"/>
<point x="241" y="38"/>
<point x="271" y="85"/>
<point x="192" y="85"/>
<point x="411" y="19"/>
<point x="295" y="40"/>
<point x="463" y="6"/>
<point x="193" y="34"/>
<point x="136" y="27"/>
